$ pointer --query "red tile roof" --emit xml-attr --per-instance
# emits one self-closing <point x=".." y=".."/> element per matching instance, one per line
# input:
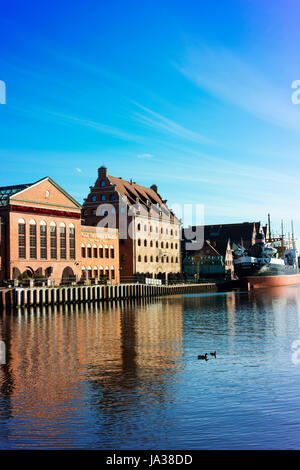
<point x="147" y="198"/>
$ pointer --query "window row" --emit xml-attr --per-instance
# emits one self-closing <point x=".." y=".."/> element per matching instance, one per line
<point x="57" y="236"/>
<point x="90" y="251"/>
<point x="89" y="273"/>
<point x="103" y="197"/>
<point x="166" y="231"/>
<point x="162" y="244"/>
<point x="163" y="259"/>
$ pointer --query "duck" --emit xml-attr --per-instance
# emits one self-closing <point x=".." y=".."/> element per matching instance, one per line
<point x="214" y="354"/>
<point x="203" y="357"/>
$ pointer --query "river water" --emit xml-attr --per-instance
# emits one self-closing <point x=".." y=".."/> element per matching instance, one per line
<point x="126" y="375"/>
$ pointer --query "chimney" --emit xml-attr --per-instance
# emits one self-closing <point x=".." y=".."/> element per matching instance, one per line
<point x="154" y="187"/>
<point x="102" y="172"/>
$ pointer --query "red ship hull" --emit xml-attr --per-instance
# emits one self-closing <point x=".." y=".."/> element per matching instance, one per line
<point x="254" y="282"/>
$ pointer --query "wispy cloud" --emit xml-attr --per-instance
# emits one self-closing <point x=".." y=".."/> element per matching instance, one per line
<point x="99" y="127"/>
<point x="145" y="155"/>
<point x="163" y="124"/>
<point x="226" y="76"/>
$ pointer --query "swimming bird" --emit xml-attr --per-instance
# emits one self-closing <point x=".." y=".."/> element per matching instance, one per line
<point x="214" y="354"/>
<point x="204" y="357"/>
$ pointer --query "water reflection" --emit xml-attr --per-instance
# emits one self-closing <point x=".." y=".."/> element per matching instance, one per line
<point x="125" y="374"/>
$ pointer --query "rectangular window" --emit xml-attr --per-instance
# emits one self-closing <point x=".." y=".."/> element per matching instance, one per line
<point x="53" y="242"/>
<point x="112" y="253"/>
<point x="43" y="241"/>
<point x="72" y="242"/>
<point x="83" y="251"/>
<point x="32" y="241"/>
<point x="112" y="273"/>
<point x="63" y="243"/>
<point x="95" y="252"/>
<point x="89" y="252"/>
<point x="22" y="241"/>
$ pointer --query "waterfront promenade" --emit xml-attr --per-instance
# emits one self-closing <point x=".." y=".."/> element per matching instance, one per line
<point x="30" y="296"/>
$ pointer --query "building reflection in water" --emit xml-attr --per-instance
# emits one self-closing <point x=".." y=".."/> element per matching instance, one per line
<point x="110" y="375"/>
<point x="57" y="356"/>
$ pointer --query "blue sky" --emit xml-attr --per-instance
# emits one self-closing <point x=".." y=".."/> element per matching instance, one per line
<point x="194" y="96"/>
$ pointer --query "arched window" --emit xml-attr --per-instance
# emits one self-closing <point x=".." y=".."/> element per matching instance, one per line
<point x="145" y="242"/>
<point x="95" y="272"/>
<point x="106" y="252"/>
<point x="32" y="239"/>
<point x="176" y="260"/>
<point x="139" y="242"/>
<point x="151" y="259"/>
<point x="162" y="230"/>
<point x="101" y="272"/>
<point x="167" y="260"/>
<point x="162" y="244"/>
<point x="90" y="272"/>
<point x="53" y="240"/>
<point x="172" y="246"/>
<point x="156" y="259"/>
<point x="84" y="272"/>
<point x="156" y="229"/>
<point x="72" y="241"/>
<point x="22" y="238"/>
<point x="172" y="259"/>
<point x="171" y="232"/>
<point x="151" y="243"/>
<point x="95" y="251"/>
<point x="101" y="252"/>
<point x="63" y="242"/>
<point x="112" y="197"/>
<point x="83" y="252"/>
<point x="102" y="183"/>
<point x="103" y="197"/>
<point x="145" y="259"/>
<point x="107" y="272"/>
<point x="139" y="258"/>
<point x="138" y="227"/>
<point x="112" y="251"/>
<point x="176" y="246"/>
<point x="94" y="198"/>
<point x="167" y="245"/>
<point x="89" y="251"/>
<point x="151" y="228"/>
<point x="156" y="244"/>
<point x="112" y="270"/>
<point x="43" y="239"/>
<point x="145" y="228"/>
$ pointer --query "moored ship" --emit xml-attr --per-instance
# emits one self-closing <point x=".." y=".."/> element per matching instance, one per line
<point x="260" y="265"/>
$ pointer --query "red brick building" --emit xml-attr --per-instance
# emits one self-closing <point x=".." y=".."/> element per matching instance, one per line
<point x="149" y="232"/>
<point x="41" y="235"/>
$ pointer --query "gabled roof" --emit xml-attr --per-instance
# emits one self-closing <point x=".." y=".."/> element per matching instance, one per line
<point x="149" y="200"/>
<point x="6" y="192"/>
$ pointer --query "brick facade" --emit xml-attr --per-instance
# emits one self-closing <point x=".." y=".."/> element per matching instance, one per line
<point x="149" y="244"/>
<point x="41" y="234"/>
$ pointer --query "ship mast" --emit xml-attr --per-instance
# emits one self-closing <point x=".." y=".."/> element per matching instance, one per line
<point x="269" y="224"/>
<point x="293" y="237"/>
<point x="282" y="240"/>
